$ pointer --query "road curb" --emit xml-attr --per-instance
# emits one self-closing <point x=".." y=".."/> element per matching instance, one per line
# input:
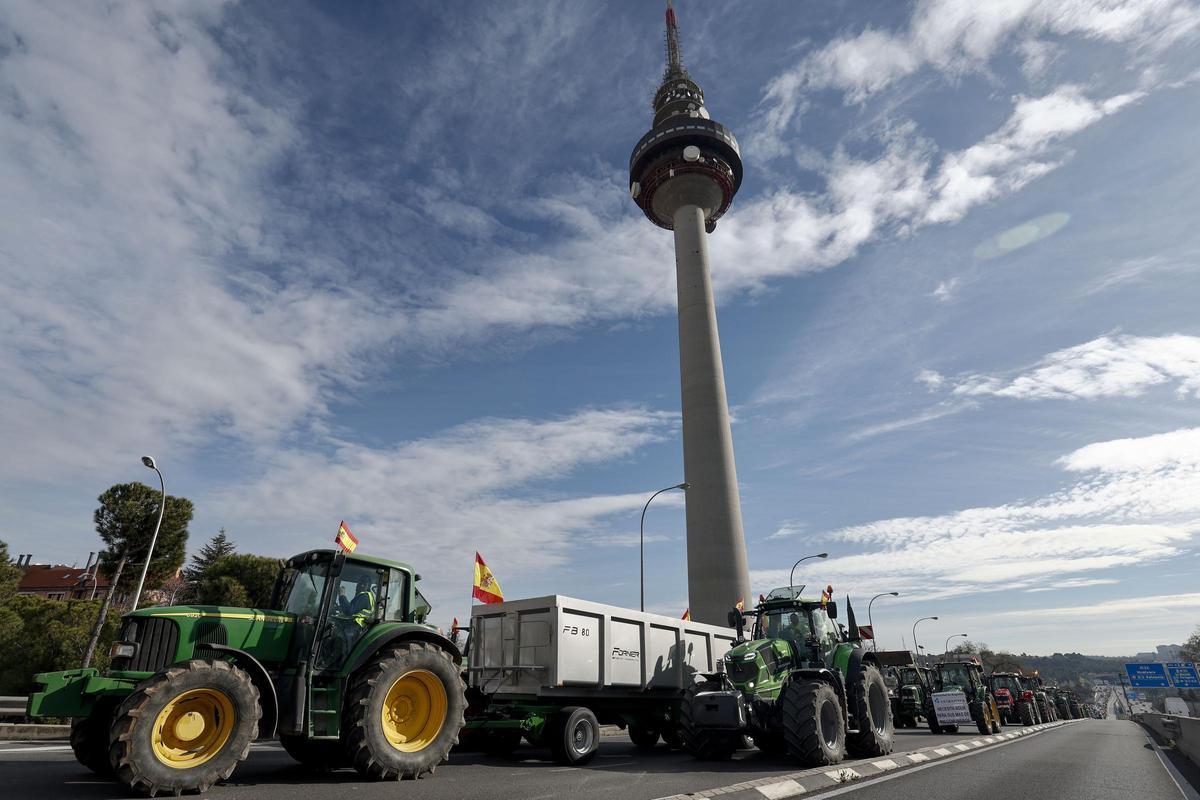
<point x="820" y="778"/>
<point x="22" y="732"/>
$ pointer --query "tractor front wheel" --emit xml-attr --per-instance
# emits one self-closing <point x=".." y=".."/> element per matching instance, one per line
<point x="872" y="715"/>
<point x="813" y="726"/>
<point x="404" y="710"/>
<point x="185" y="728"/>
<point x="89" y="739"/>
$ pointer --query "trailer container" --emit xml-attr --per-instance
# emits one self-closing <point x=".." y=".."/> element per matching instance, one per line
<point x="552" y="669"/>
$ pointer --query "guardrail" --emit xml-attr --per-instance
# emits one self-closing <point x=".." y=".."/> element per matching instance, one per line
<point x="13" y="706"/>
<point x="1184" y="731"/>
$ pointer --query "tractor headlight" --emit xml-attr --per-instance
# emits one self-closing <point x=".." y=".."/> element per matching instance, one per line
<point x="122" y="650"/>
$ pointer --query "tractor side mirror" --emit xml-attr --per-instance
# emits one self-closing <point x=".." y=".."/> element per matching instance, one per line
<point x="831" y="609"/>
<point x="733" y="617"/>
<point x="737" y="620"/>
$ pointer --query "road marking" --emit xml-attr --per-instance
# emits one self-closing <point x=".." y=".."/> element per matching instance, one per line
<point x="775" y="791"/>
<point x="842" y="775"/>
<point x="941" y="751"/>
<point x="1181" y="783"/>
<point x="976" y="744"/>
<point x="917" y="758"/>
<point x="989" y="740"/>
<point x="885" y="765"/>
<point x="53" y="748"/>
<point x="961" y="747"/>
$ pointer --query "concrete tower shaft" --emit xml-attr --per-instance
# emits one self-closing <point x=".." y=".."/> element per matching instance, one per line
<point x="684" y="174"/>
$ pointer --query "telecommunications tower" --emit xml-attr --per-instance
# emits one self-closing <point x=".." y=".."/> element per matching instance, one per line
<point x="683" y="174"/>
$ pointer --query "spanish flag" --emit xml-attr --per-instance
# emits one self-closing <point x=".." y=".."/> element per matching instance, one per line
<point x="486" y="589"/>
<point x="347" y="540"/>
<point x="687" y="614"/>
<point x="826" y="595"/>
<point x="741" y="604"/>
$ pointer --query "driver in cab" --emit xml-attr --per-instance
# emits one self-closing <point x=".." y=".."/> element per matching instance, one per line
<point x="796" y="629"/>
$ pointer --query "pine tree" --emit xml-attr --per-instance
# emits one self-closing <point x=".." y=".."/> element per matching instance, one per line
<point x="218" y="547"/>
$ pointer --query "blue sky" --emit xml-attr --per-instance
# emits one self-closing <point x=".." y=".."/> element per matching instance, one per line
<point x="378" y="262"/>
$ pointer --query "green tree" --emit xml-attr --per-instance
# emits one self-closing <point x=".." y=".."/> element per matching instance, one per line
<point x="43" y="635"/>
<point x="1191" y="648"/>
<point x="241" y="579"/>
<point x="218" y="547"/>
<point x="10" y="575"/>
<point x="126" y="520"/>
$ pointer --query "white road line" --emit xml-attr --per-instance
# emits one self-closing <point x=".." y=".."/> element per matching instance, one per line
<point x="775" y="791"/>
<point x="917" y="758"/>
<point x="53" y="748"/>
<point x="885" y="765"/>
<point x="1181" y="782"/>
<point x="961" y="747"/>
<point x="976" y="744"/>
<point x="941" y="751"/>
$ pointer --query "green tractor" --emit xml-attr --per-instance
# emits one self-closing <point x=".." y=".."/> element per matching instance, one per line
<point x="967" y="677"/>
<point x="344" y="670"/>
<point x="914" y="686"/>
<point x="798" y="687"/>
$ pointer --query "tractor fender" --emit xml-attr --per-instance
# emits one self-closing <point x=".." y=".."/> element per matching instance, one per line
<point x="262" y="681"/>
<point x="402" y="633"/>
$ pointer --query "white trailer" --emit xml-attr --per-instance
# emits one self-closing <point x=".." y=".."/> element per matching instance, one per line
<point x="554" y="668"/>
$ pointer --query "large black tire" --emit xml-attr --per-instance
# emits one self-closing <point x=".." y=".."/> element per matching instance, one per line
<point x="215" y="690"/>
<point x="872" y="715"/>
<point x="702" y="743"/>
<point x="931" y="719"/>
<point x="1025" y="713"/>
<point x="413" y="680"/>
<point x="813" y="726"/>
<point x="995" y="715"/>
<point x="981" y="712"/>
<point x="671" y="737"/>
<point x="949" y="730"/>
<point x="574" y="736"/>
<point x="643" y="737"/>
<point x="89" y="739"/>
<point x="318" y="755"/>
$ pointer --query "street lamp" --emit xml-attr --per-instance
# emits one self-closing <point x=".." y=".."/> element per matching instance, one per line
<point x="792" y="575"/>
<point x="946" y="652"/>
<point x="871" y="622"/>
<point x="642" y="540"/>
<point x="162" y="507"/>
<point x="922" y="619"/>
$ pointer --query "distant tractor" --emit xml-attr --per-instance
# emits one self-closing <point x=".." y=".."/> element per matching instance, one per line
<point x="1014" y="698"/>
<point x="912" y="695"/>
<point x="967" y="677"/>
<point x="344" y="669"/>
<point x="798" y="687"/>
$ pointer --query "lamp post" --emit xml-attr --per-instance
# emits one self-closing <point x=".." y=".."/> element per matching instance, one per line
<point x="162" y="507"/>
<point x="946" y="651"/>
<point x="642" y="543"/>
<point x="792" y="575"/>
<point x="917" y="646"/>
<point x="871" y="621"/>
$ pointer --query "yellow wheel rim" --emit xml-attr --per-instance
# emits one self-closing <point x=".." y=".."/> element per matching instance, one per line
<point x="193" y="728"/>
<point x="414" y="710"/>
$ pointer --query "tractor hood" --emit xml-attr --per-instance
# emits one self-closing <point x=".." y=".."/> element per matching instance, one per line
<point x="263" y="633"/>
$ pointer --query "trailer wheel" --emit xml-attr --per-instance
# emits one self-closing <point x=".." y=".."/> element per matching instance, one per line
<point x="318" y="755"/>
<point x="872" y="715"/>
<point x="574" y="736"/>
<point x="89" y="739"/>
<point x="404" y="710"/>
<point x="702" y="743"/>
<point x="813" y="726"/>
<point x="643" y="737"/>
<point x="184" y="728"/>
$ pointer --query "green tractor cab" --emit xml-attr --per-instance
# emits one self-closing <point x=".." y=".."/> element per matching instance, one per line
<point x="966" y="676"/>
<point x="798" y="686"/>
<point x="914" y="687"/>
<point x="343" y="668"/>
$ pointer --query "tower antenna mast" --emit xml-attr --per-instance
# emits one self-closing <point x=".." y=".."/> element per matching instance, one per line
<point x="674" y="54"/>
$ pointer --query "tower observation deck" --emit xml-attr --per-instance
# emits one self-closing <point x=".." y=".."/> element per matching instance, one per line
<point x="683" y="174"/>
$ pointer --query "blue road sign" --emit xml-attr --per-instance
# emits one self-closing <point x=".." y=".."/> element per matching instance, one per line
<point x="1183" y="676"/>
<point x="1148" y="676"/>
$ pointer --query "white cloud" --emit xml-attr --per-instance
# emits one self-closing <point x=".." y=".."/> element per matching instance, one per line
<point x="789" y="528"/>
<point x="932" y="379"/>
<point x="1137" y="607"/>
<point x="1139" y="503"/>
<point x="1109" y="366"/>
<point x="937" y="412"/>
<point x="944" y="292"/>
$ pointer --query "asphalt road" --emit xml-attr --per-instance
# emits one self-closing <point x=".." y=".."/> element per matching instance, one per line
<point x="1092" y="760"/>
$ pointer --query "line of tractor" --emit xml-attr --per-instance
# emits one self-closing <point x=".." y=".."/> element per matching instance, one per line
<point x="345" y="670"/>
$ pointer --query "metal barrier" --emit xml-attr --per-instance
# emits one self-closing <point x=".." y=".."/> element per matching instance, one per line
<point x="13" y="706"/>
<point x="1184" y="731"/>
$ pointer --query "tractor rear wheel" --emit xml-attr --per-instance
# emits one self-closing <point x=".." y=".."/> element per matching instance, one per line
<point x="184" y="728"/>
<point x="813" y="726"/>
<point x="318" y="755"/>
<point x="872" y="715"/>
<point x="1025" y="713"/>
<point x="996" y="719"/>
<point x="89" y="739"/>
<point x="703" y="743"/>
<point x="404" y="710"/>
<point x="981" y="712"/>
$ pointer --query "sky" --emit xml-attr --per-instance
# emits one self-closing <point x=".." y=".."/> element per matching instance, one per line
<point x="378" y="262"/>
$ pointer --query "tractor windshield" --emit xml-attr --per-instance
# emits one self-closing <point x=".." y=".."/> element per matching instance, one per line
<point x="1009" y="682"/>
<point x="787" y="623"/>
<point x="909" y="677"/>
<point x="303" y="589"/>
<point x="956" y="675"/>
